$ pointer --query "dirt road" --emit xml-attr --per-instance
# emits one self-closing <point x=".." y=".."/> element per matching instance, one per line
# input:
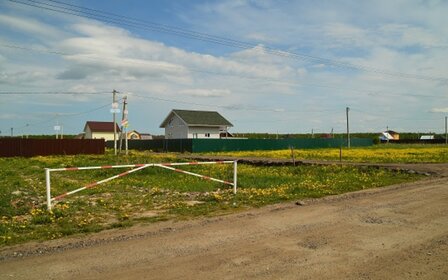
<point x="398" y="232"/>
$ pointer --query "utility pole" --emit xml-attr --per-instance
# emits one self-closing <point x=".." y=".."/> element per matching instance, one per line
<point x="125" y="112"/>
<point x="27" y="125"/>
<point x="446" y="130"/>
<point x="114" y="104"/>
<point x="56" y="128"/>
<point x="348" y="128"/>
<point x="12" y="131"/>
<point x="124" y="124"/>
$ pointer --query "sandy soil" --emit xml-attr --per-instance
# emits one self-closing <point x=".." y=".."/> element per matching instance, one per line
<point x="398" y="232"/>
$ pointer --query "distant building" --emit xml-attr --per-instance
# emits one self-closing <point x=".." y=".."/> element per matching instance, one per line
<point x="146" y="136"/>
<point x="79" y="136"/>
<point x="100" y="130"/>
<point x="134" y="135"/>
<point x="183" y="124"/>
<point x="389" y="135"/>
<point x="427" y="137"/>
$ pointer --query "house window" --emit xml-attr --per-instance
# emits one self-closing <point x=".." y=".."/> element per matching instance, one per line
<point x="207" y="135"/>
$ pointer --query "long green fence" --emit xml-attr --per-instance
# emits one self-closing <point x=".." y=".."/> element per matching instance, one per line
<point x="221" y="145"/>
<point x="218" y="145"/>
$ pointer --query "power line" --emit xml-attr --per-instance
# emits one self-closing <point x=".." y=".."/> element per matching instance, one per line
<point x="230" y="107"/>
<point x="80" y="11"/>
<point x="58" y="115"/>
<point x="391" y="118"/>
<point x="51" y="93"/>
<point x="268" y="80"/>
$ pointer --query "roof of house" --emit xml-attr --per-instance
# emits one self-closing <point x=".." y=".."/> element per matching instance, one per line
<point x="198" y="118"/>
<point x="391" y="132"/>
<point x="101" y="126"/>
<point x="386" y="136"/>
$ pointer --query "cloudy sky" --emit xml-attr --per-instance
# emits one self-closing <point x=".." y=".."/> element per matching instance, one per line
<point x="267" y="66"/>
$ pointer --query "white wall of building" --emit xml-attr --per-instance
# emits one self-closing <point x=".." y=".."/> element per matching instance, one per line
<point x="99" y="135"/>
<point x="176" y="129"/>
<point x="104" y="135"/>
<point x="203" y="132"/>
<point x="88" y="133"/>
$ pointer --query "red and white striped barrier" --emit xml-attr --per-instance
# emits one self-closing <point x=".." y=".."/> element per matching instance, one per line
<point x="135" y="167"/>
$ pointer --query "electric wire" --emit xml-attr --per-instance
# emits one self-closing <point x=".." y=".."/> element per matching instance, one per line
<point x="230" y="107"/>
<point x="80" y="11"/>
<point x="60" y="116"/>
<point x="266" y="80"/>
<point x="60" y="53"/>
<point x="51" y="93"/>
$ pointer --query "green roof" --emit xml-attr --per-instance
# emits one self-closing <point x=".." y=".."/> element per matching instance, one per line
<point x="198" y="118"/>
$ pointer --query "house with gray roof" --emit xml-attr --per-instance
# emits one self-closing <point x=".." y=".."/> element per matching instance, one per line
<point x="185" y="124"/>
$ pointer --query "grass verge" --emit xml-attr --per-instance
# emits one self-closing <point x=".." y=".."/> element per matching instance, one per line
<point x="155" y="194"/>
<point x="385" y="153"/>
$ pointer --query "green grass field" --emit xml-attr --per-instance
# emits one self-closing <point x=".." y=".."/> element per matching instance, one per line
<point x="155" y="194"/>
<point x="386" y="153"/>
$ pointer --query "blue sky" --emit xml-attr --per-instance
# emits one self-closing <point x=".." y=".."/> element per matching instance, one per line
<point x="303" y="63"/>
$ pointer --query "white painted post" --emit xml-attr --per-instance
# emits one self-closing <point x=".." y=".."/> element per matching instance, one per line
<point x="47" y="181"/>
<point x="235" y="172"/>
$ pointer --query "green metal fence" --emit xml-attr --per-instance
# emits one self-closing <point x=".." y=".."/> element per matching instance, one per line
<point x="221" y="145"/>
<point x="217" y="145"/>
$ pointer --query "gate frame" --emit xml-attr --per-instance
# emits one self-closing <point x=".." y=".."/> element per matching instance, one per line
<point x="136" y="167"/>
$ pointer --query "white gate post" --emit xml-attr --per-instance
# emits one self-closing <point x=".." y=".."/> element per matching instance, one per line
<point x="47" y="181"/>
<point x="235" y="172"/>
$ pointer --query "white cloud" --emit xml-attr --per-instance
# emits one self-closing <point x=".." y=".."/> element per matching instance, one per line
<point x="260" y="37"/>
<point x="30" y="26"/>
<point x="250" y="84"/>
<point x="439" y="110"/>
<point x="199" y="92"/>
<point x="342" y="34"/>
<point x="116" y="49"/>
<point x="404" y="35"/>
<point x="29" y="76"/>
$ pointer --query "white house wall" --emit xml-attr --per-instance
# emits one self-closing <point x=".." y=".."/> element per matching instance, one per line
<point x="88" y="133"/>
<point x="99" y="135"/>
<point x="176" y="129"/>
<point x="200" y="132"/>
<point x="104" y="135"/>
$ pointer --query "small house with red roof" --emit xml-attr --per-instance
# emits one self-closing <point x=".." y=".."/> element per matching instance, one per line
<point x="100" y="130"/>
